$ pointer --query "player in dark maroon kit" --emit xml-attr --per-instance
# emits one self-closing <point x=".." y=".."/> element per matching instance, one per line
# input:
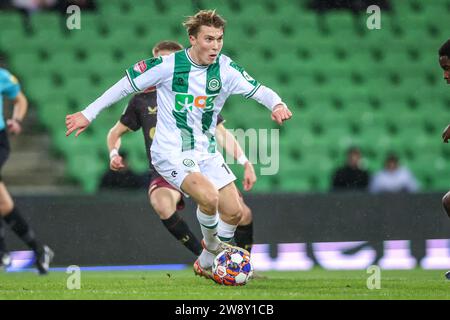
<point x="141" y="113"/>
<point x="444" y="61"/>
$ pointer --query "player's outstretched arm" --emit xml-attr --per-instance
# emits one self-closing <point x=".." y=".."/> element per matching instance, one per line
<point x="281" y="113"/>
<point x="20" y="109"/>
<point x="80" y="121"/>
<point x="446" y="134"/>
<point x="113" y="141"/>
<point x="228" y="142"/>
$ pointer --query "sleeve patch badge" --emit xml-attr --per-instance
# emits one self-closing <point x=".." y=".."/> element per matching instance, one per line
<point x="140" y="67"/>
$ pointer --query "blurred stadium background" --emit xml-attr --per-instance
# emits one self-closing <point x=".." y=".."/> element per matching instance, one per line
<point x="381" y="90"/>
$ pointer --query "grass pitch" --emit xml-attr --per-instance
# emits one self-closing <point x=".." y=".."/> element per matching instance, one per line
<point x="174" y="285"/>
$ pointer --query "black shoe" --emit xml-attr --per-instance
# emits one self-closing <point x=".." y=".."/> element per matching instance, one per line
<point x="43" y="259"/>
<point x="5" y="260"/>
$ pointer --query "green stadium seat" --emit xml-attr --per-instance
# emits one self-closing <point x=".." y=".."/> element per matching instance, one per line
<point x="179" y="10"/>
<point x="42" y="22"/>
<point x="295" y="10"/>
<point x="10" y="20"/>
<point x="93" y="170"/>
<point x="113" y="9"/>
<point x="340" y="23"/>
<point x="293" y="182"/>
<point x="145" y="9"/>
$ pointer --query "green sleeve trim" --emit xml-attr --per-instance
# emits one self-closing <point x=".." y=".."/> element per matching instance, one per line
<point x="249" y="95"/>
<point x="133" y="85"/>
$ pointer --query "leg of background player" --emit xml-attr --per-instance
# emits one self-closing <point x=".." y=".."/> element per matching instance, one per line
<point x="2" y="237"/>
<point x="446" y="205"/>
<point x="164" y="201"/>
<point x="4" y="256"/>
<point x="21" y="228"/>
<point x="11" y="216"/>
<point x="244" y="231"/>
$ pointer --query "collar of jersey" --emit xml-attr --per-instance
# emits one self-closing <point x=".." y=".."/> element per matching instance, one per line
<point x="192" y="61"/>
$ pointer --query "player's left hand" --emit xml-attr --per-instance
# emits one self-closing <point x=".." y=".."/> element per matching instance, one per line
<point x="281" y="113"/>
<point x="14" y="126"/>
<point x="76" y="121"/>
<point x="249" y="176"/>
<point x="116" y="163"/>
<point x="446" y="134"/>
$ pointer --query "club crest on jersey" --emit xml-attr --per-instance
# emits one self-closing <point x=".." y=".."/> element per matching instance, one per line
<point x="140" y="67"/>
<point x="214" y="84"/>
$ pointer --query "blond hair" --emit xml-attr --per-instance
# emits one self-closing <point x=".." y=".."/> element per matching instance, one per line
<point x="203" y="18"/>
<point x="166" y="45"/>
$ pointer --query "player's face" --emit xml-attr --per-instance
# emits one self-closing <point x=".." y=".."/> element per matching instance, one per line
<point x="444" y="61"/>
<point x="207" y="44"/>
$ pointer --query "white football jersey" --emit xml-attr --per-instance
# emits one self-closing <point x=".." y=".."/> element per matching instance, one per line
<point x="189" y="98"/>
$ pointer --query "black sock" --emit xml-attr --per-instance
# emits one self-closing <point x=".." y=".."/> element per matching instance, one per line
<point x="180" y="230"/>
<point x="2" y="236"/>
<point x="244" y="236"/>
<point x="22" y="229"/>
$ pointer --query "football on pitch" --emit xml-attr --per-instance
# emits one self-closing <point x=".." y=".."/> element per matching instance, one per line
<point x="232" y="268"/>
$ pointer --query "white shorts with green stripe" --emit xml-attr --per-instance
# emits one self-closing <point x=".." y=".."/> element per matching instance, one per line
<point x="176" y="167"/>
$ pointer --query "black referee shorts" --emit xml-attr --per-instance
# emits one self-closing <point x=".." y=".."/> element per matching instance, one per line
<point x="4" y="149"/>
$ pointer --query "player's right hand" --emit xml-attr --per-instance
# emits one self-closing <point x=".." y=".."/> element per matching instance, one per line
<point x="116" y="163"/>
<point x="76" y="121"/>
<point x="14" y="126"/>
<point x="446" y="134"/>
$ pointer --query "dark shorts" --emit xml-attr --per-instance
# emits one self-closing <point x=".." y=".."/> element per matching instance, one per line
<point x="4" y="149"/>
<point x="156" y="181"/>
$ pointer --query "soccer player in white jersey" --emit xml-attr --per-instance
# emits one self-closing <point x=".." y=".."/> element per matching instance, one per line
<point x="141" y="113"/>
<point x="192" y="87"/>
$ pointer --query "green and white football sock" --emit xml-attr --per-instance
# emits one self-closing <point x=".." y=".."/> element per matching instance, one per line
<point x="208" y="225"/>
<point x="226" y="231"/>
